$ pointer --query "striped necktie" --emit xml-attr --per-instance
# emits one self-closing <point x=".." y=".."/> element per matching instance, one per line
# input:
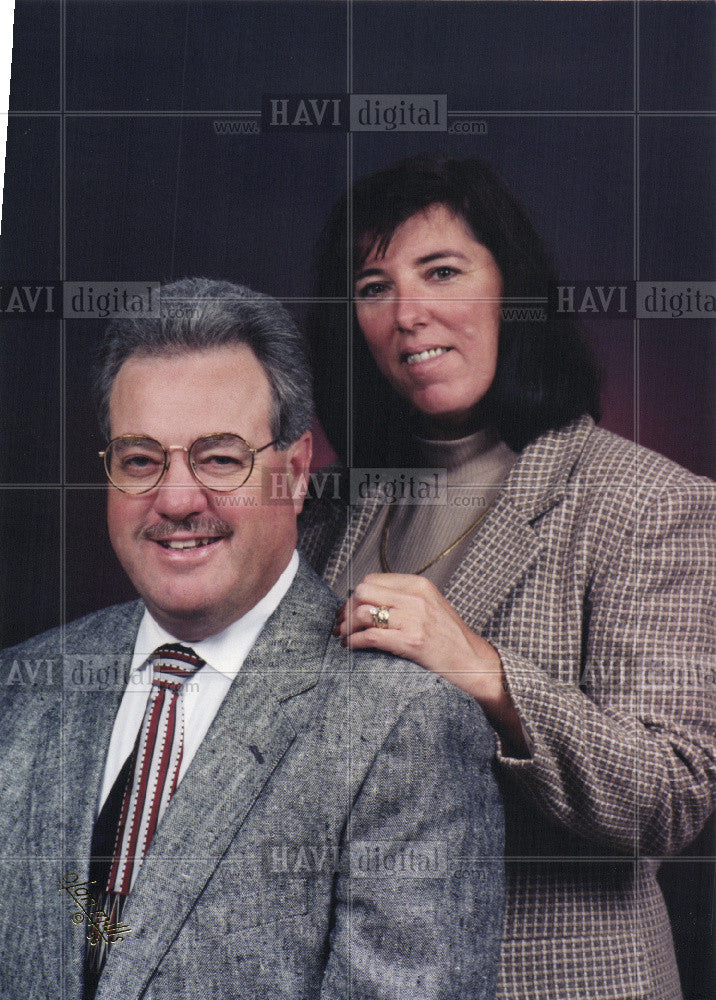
<point x="153" y="775"/>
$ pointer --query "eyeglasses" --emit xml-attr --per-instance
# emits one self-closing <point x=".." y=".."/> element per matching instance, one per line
<point x="220" y="462"/>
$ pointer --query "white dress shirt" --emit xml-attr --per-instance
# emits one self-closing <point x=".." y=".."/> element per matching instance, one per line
<point x="203" y="693"/>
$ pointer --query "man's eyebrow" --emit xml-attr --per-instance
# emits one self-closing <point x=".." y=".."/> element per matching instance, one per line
<point x="368" y="272"/>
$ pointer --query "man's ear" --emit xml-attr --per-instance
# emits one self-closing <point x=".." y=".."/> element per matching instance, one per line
<point x="298" y="466"/>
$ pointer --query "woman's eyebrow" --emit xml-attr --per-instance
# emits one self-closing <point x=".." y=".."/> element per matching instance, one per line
<point x="438" y="254"/>
<point x="368" y="272"/>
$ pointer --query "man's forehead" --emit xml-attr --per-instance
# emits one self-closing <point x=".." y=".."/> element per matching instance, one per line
<point x="225" y="383"/>
<point x="219" y="354"/>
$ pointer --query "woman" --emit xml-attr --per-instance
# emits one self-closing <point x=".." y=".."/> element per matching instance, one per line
<point x="567" y="583"/>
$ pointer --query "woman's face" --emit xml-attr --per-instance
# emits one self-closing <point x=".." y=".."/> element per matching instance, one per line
<point x="429" y="310"/>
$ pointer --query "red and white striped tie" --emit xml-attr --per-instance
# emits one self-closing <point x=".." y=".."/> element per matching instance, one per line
<point x="153" y="775"/>
<point x="158" y="757"/>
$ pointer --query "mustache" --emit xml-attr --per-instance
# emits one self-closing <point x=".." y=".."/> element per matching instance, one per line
<point x="207" y="526"/>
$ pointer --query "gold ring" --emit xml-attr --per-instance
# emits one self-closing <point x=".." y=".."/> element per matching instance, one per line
<point x="380" y="616"/>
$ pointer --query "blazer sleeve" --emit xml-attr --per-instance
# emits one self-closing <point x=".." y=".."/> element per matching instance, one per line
<point x="418" y="907"/>
<point x="627" y="758"/>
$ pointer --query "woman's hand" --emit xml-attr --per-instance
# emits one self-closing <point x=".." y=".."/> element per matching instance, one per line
<point x="424" y="627"/>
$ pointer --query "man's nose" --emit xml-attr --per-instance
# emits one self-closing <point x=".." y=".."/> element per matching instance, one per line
<point x="179" y="494"/>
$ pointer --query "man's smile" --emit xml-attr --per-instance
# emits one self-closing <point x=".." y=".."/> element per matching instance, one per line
<point x="188" y="543"/>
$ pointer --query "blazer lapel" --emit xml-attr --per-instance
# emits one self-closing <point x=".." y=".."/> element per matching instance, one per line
<point x="361" y="517"/>
<point x="500" y="555"/>
<point x="506" y="544"/>
<point x="245" y="743"/>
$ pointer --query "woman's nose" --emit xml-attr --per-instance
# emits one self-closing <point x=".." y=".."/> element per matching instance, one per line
<point x="410" y="307"/>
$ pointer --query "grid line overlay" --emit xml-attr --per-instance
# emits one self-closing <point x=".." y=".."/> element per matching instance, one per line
<point x="64" y="804"/>
<point x="635" y="389"/>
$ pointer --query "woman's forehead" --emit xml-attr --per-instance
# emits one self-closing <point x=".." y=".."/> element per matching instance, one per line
<point x="432" y="220"/>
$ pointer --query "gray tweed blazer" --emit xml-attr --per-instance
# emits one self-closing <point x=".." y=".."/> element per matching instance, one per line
<point x="593" y="575"/>
<point x="339" y="833"/>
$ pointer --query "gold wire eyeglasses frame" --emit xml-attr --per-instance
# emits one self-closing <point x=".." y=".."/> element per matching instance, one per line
<point x="105" y="455"/>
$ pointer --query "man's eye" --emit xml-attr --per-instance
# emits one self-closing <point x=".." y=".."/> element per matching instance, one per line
<point x="139" y="463"/>
<point x="222" y="463"/>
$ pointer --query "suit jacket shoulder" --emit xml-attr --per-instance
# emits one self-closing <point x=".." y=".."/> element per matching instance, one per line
<point x="37" y="671"/>
<point x="297" y="649"/>
<point x="108" y="626"/>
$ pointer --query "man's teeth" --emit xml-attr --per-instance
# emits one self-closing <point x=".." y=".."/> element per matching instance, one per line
<point x="433" y="352"/>
<point x="189" y="543"/>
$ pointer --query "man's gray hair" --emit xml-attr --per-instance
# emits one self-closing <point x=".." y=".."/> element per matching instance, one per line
<point x="199" y="314"/>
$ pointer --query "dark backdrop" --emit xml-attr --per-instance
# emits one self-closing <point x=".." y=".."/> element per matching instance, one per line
<point x="599" y="116"/>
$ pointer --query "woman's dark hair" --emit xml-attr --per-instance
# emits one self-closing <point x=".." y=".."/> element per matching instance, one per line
<point x="545" y="374"/>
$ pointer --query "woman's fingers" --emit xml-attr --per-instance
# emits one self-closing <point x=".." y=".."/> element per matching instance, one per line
<point x="423" y="627"/>
<point x="387" y="640"/>
<point x="357" y="618"/>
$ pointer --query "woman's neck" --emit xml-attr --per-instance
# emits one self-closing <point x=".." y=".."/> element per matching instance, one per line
<point x="431" y="429"/>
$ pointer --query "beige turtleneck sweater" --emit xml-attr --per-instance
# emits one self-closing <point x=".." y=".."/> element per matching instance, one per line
<point x="477" y="467"/>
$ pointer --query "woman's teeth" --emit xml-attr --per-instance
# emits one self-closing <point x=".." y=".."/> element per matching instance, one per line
<point x="433" y="352"/>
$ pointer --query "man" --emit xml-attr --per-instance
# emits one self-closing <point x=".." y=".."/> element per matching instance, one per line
<point x="201" y="794"/>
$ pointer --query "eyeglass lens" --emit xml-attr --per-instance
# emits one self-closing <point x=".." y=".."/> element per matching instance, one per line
<point x="220" y="461"/>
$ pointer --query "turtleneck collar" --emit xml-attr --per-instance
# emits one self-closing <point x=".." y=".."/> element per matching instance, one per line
<point x="453" y="453"/>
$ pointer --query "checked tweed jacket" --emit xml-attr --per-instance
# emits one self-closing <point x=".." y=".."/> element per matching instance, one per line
<point x="593" y="576"/>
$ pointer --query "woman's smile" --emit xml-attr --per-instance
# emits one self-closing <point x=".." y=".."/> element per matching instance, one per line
<point x="427" y="354"/>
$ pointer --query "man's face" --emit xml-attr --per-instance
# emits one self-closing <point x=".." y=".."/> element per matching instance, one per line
<point x="195" y="592"/>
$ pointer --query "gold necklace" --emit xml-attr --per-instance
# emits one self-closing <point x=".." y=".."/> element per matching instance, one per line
<point x="386" y="532"/>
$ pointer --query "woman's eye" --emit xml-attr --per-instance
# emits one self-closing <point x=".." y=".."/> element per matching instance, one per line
<point x="442" y="273"/>
<point x="372" y="290"/>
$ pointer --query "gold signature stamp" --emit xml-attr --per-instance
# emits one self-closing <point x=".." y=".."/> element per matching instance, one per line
<point x="99" y="925"/>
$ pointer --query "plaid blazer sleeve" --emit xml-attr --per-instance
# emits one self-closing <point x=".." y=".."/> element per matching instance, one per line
<point x="624" y="753"/>
<point x="606" y="636"/>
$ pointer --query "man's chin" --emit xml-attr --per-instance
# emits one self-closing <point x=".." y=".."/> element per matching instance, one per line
<point x="185" y="619"/>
